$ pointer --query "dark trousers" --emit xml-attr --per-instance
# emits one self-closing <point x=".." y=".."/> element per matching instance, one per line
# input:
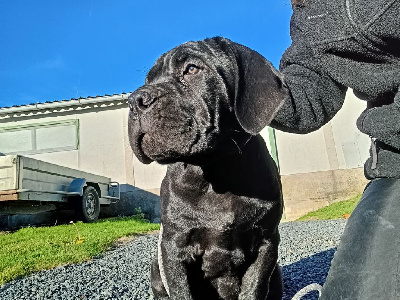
<point x="366" y="265"/>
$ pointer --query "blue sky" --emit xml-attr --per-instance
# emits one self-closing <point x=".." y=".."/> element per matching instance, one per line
<point x="55" y="50"/>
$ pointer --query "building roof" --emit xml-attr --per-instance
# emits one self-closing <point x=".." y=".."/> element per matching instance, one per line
<point x="62" y="103"/>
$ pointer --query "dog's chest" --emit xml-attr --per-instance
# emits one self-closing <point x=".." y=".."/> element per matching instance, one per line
<point x="188" y="201"/>
<point x="188" y="209"/>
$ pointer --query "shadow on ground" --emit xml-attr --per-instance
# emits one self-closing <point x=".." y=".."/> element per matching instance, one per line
<point x="312" y="269"/>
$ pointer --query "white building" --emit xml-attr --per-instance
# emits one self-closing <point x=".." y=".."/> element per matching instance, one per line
<point x="91" y="134"/>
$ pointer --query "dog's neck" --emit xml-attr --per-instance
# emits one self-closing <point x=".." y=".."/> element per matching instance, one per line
<point x="237" y="172"/>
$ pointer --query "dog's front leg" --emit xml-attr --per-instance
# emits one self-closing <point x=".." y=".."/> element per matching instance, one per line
<point x="265" y="270"/>
<point x="173" y="270"/>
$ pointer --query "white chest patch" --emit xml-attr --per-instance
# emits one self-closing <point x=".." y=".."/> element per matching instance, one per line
<point x="160" y="262"/>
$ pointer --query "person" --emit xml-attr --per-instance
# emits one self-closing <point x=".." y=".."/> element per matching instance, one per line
<point x="336" y="45"/>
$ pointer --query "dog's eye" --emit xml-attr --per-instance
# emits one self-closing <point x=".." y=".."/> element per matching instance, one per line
<point x="192" y="70"/>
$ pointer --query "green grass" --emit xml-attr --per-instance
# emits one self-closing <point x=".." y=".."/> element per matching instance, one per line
<point x="338" y="210"/>
<point x="33" y="249"/>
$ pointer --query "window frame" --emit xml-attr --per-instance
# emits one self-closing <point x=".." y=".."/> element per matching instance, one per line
<point x="33" y="126"/>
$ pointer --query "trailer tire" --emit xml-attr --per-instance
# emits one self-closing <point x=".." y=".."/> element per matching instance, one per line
<point x="88" y="206"/>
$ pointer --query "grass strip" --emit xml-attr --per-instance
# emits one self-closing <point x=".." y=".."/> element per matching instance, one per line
<point x="338" y="210"/>
<point x="33" y="249"/>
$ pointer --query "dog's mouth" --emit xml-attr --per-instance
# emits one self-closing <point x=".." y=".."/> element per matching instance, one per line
<point x="139" y="150"/>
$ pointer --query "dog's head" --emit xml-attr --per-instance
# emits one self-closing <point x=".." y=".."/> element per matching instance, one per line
<point x="200" y="97"/>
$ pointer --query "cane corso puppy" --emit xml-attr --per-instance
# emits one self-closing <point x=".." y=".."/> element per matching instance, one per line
<point x="199" y="111"/>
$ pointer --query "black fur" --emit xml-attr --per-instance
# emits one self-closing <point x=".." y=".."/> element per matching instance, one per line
<point x="199" y="111"/>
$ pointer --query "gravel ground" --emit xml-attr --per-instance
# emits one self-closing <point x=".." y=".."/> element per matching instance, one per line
<point x="306" y="250"/>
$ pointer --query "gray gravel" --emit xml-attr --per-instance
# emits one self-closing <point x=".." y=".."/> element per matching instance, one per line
<point x="123" y="273"/>
<point x="306" y="251"/>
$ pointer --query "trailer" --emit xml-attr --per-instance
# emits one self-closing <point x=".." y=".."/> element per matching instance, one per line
<point x="28" y="184"/>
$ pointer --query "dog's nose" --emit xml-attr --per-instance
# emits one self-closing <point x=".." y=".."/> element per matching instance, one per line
<point x="140" y="100"/>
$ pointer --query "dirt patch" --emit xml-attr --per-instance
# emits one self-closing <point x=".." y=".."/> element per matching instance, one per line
<point x="125" y="239"/>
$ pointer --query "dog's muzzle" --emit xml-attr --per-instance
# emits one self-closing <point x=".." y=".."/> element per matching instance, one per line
<point x="139" y="103"/>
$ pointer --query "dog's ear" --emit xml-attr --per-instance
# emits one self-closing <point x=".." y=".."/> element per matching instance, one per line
<point x="260" y="91"/>
<point x="297" y="3"/>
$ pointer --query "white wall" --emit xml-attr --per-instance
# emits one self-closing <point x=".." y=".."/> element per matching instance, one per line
<point x="104" y="148"/>
<point x="352" y="146"/>
<point x="338" y="145"/>
<point x="101" y="143"/>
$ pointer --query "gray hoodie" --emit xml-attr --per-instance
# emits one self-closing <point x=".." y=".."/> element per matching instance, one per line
<point x="338" y="44"/>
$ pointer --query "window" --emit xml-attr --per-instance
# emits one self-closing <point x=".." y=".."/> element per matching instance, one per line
<point x="40" y="137"/>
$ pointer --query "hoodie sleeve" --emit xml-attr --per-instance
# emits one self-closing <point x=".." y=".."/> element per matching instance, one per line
<point x="313" y="100"/>
<point x="314" y="97"/>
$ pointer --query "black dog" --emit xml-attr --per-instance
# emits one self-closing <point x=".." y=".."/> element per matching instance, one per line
<point x="199" y="111"/>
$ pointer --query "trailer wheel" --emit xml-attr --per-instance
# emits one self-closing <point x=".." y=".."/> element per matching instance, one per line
<point x="88" y="206"/>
